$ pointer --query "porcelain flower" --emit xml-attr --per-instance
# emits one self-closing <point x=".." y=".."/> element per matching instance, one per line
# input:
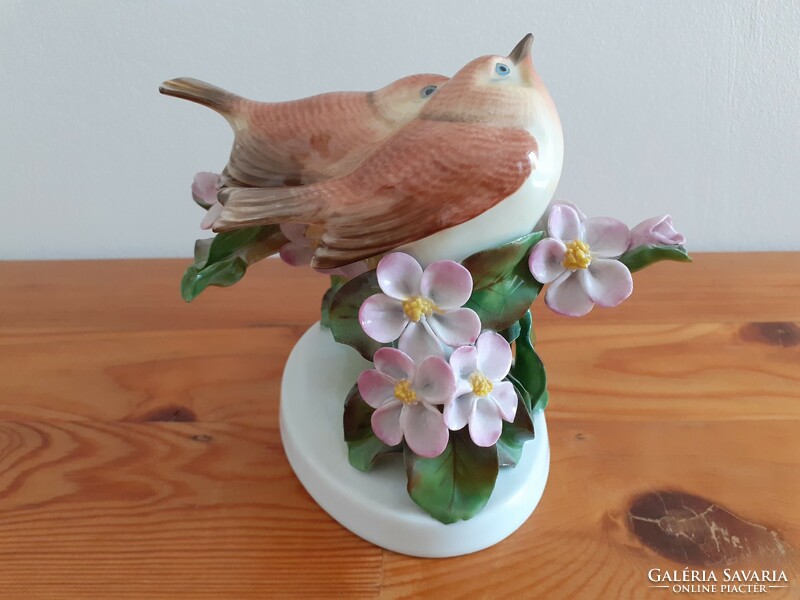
<point x="483" y="400"/>
<point x="656" y="231"/>
<point x="405" y="397"/>
<point x="299" y="251"/>
<point x="578" y="261"/>
<point x="421" y="308"/>
<point x="204" y="192"/>
<point x="542" y="223"/>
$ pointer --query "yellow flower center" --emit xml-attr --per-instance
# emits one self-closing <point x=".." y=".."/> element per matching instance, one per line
<point x="481" y="386"/>
<point x="578" y="256"/>
<point x="418" y="306"/>
<point x="404" y="393"/>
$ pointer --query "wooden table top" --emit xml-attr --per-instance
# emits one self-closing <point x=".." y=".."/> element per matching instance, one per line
<point x="140" y="455"/>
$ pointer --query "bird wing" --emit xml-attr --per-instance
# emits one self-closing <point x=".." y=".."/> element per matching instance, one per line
<point x="301" y="142"/>
<point x="432" y="175"/>
<point x="262" y="162"/>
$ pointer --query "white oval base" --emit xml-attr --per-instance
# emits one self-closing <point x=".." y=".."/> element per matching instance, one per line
<point x="375" y="506"/>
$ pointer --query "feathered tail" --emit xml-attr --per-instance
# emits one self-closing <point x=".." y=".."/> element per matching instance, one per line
<point x="222" y="101"/>
<point x="246" y="207"/>
<point x="342" y="242"/>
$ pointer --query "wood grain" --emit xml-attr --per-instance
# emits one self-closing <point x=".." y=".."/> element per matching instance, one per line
<point x="578" y="543"/>
<point x="142" y="295"/>
<point x="165" y="510"/>
<point x="140" y="457"/>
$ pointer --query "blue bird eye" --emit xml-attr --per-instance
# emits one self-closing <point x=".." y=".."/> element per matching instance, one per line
<point x="427" y="91"/>
<point x="502" y="69"/>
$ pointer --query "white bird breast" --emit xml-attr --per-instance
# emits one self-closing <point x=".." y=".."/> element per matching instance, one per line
<point x="515" y="216"/>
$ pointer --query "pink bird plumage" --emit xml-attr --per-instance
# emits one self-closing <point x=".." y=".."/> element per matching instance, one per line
<point x="468" y="150"/>
<point x="308" y="140"/>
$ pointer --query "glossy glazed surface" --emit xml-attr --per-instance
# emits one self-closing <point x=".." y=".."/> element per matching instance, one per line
<point x="491" y="134"/>
<point x="311" y="139"/>
<point x="375" y="505"/>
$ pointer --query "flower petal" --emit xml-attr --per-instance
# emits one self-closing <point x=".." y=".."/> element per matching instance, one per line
<point x="204" y="188"/>
<point x="506" y="399"/>
<point x="399" y="275"/>
<point x="295" y="232"/>
<point x="564" y="223"/>
<point x="607" y="282"/>
<point x="424" y="429"/>
<point x="375" y="388"/>
<point x="485" y="423"/>
<point x="435" y="382"/>
<point x="464" y="361"/>
<point x="546" y="260"/>
<point x="457" y="412"/>
<point x="657" y="231"/>
<point x="382" y="318"/>
<point x="386" y="423"/>
<point x="214" y="211"/>
<point x="494" y="355"/>
<point x="607" y="237"/>
<point x="456" y="327"/>
<point x="566" y="296"/>
<point x="447" y="283"/>
<point x="296" y="254"/>
<point x="574" y="207"/>
<point x="419" y="342"/>
<point x="394" y="363"/>
<point x="541" y="224"/>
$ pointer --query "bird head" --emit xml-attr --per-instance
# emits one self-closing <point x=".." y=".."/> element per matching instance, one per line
<point x="504" y="91"/>
<point x="401" y="101"/>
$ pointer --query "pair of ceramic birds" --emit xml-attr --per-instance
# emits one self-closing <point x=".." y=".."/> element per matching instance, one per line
<point x="439" y="168"/>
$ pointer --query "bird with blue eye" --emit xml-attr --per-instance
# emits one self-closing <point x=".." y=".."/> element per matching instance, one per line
<point x="427" y="91"/>
<point x="484" y="140"/>
<point x="311" y="139"/>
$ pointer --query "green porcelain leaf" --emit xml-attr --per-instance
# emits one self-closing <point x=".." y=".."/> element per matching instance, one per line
<point x="224" y="259"/>
<point x="343" y="314"/>
<point x="522" y="393"/>
<point x="503" y="286"/>
<point x="514" y="436"/>
<point x="541" y="403"/>
<point x="511" y="333"/>
<point x="528" y="370"/>
<point x="337" y="282"/>
<point x="644" y="256"/>
<point x="455" y="485"/>
<point x="363" y="447"/>
<point x="222" y="274"/>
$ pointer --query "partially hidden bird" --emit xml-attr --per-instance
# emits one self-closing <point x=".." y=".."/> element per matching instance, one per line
<point x="477" y="167"/>
<point x="311" y="139"/>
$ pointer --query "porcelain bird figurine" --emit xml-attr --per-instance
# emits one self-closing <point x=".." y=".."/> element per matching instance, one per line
<point x="307" y="140"/>
<point x="484" y="154"/>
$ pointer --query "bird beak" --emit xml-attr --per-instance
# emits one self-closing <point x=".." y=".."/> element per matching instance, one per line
<point x="522" y="50"/>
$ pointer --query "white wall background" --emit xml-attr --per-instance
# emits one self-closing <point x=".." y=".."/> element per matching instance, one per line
<point x="689" y="107"/>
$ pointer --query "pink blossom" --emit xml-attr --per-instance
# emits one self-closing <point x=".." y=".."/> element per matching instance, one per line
<point x="204" y="192"/>
<point x="299" y="250"/>
<point x="656" y="231"/>
<point x="421" y="308"/>
<point x="405" y="397"/>
<point x="482" y="399"/>
<point x="578" y="261"/>
<point x="542" y="222"/>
